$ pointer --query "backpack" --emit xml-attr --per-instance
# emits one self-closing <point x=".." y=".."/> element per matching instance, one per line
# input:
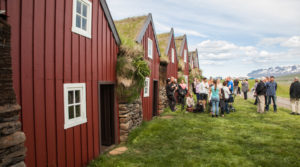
<point x="182" y="92"/>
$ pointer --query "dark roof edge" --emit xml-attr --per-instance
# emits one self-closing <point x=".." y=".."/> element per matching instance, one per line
<point x="144" y="29"/>
<point x="110" y="21"/>
<point x="169" y="41"/>
<point x="182" y="45"/>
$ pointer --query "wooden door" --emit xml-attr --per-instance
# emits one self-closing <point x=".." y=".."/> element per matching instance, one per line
<point x="155" y="98"/>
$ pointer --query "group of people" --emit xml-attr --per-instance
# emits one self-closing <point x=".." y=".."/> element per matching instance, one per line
<point x="220" y="96"/>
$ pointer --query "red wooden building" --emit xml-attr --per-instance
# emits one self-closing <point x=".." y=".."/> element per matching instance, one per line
<point x="194" y="59"/>
<point x="168" y="49"/>
<point x="141" y="30"/>
<point x="64" y="57"/>
<point x="182" y="52"/>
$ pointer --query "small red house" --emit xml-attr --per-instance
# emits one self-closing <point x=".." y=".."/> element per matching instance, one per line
<point x="194" y="60"/>
<point x="64" y="59"/>
<point x="141" y="30"/>
<point x="182" y="53"/>
<point x="168" y="49"/>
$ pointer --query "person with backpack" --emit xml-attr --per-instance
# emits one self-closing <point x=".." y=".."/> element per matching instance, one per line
<point x="261" y="92"/>
<point x="215" y="99"/>
<point x="271" y="93"/>
<point x="182" y="91"/>
<point x="295" y="96"/>
<point x="225" y="93"/>
<point x="235" y="86"/>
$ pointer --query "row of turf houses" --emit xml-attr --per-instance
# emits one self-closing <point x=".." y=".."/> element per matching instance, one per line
<point x="64" y="62"/>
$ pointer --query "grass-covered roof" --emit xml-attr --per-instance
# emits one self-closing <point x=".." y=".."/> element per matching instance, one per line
<point x="163" y="40"/>
<point x="178" y="43"/>
<point x="130" y="28"/>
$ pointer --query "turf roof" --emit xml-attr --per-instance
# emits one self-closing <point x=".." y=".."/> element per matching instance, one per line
<point x="130" y="28"/>
<point x="163" y="40"/>
<point x="178" y="43"/>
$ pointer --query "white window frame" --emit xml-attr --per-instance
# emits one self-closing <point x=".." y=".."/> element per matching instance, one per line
<point x="79" y="120"/>
<point x="80" y="31"/>
<point x="147" y="93"/>
<point x="184" y="55"/>
<point x="173" y="55"/>
<point x="150" y="48"/>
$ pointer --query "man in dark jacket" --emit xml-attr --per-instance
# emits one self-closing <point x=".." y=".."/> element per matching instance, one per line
<point x="295" y="96"/>
<point x="170" y="89"/>
<point x="271" y="93"/>
<point x="261" y="92"/>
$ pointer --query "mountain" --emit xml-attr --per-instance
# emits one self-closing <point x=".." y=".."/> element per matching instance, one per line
<point x="275" y="71"/>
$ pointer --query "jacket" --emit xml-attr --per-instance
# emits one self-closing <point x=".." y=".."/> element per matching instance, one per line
<point x="295" y="90"/>
<point x="271" y="88"/>
<point x="170" y="89"/>
<point x="261" y="88"/>
<point x="245" y="86"/>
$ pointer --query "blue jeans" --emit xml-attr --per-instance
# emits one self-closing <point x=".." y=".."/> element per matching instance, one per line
<point x="215" y="105"/>
<point x="269" y="98"/>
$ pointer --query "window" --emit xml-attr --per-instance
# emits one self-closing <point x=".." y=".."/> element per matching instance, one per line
<point x="147" y="87"/>
<point x="75" y="104"/>
<point x="173" y="55"/>
<point x="185" y="55"/>
<point x="82" y="17"/>
<point x="150" y="48"/>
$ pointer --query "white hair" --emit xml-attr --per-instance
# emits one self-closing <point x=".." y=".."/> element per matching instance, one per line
<point x="296" y="78"/>
<point x="263" y="78"/>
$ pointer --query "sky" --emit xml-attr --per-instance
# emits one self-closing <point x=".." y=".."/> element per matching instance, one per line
<point x="233" y="37"/>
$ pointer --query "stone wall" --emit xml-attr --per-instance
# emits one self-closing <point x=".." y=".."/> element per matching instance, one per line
<point x="130" y="116"/>
<point x="163" y="101"/>
<point x="12" y="149"/>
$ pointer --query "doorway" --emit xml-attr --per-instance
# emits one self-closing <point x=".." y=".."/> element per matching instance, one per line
<point x="107" y="116"/>
<point x="155" y="98"/>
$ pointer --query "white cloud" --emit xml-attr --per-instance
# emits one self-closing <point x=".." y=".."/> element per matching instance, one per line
<point x="293" y="42"/>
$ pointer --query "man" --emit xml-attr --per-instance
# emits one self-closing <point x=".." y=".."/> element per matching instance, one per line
<point x="261" y="92"/>
<point x="295" y="96"/>
<point x="235" y="86"/>
<point x="203" y="91"/>
<point x="230" y="84"/>
<point x="271" y="93"/>
<point x="170" y="89"/>
<point x="254" y="91"/>
<point x="194" y="84"/>
<point x="266" y="99"/>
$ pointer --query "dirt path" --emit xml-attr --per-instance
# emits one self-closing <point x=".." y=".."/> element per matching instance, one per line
<point x="281" y="102"/>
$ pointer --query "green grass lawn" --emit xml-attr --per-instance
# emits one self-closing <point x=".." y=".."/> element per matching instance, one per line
<point x="243" y="138"/>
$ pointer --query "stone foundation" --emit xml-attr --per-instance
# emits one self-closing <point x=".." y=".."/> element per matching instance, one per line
<point x="12" y="149"/>
<point x="130" y="116"/>
<point x="163" y="100"/>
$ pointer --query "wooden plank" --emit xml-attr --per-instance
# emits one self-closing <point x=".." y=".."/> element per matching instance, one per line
<point x="69" y="134"/>
<point x="99" y="22"/>
<point x="59" y="72"/>
<point x="104" y="49"/>
<point x="50" y="81"/>
<point x="26" y="80"/>
<point x="108" y="55"/>
<point x="82" y="79"/>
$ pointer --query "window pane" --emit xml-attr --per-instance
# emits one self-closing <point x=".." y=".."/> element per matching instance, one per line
<point x="78" y="21"/>
<point x="84" y="23"/>
<point x="77" y="96"/>
<point x="71" y="112"/>
<point x="77" y="110"/>
<point x="78" y="7"/>
<point x="70" y="97"/>
<point x="84" y="10"/>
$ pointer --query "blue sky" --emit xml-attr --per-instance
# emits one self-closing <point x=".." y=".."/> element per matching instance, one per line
<point x="232" y="37"/>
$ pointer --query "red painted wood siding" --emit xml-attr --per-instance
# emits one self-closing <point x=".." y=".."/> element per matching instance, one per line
<point x="45" y="55"/>
<point x="172" y="69"/>
<point x="186" y="68"/>
<point x="147" y="102"/>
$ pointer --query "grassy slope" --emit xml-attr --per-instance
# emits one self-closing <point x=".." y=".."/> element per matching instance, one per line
<point x="244" y="138"/>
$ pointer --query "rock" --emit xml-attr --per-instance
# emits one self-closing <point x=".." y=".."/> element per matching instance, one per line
<point x="8" y="128"/>
<point x="20" y="164"/>
<point x="11" y="140"/>
<point x="123" y="138"/>
<point x="124" y="120"/>
<point x="118" y="151"/>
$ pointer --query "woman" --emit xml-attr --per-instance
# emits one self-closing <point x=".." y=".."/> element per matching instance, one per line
<point x="215" y="99"/>
<point x="225" y="90"/>
<point x="245" y="88"/>
<point x="182" y="91"/>
<point x="190" y="103"/>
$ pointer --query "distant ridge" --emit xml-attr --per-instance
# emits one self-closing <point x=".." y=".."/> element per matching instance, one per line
<point x="275" y="71"/>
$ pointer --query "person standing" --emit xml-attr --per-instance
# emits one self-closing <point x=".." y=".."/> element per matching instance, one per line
<point x="245" y="88"/>
<point x="170" y="89"/>
<point x="235" y="86"/>
<point x="182" y="91"/>
<point x="227" y="93"/>
<point x="230" y="84"/>
<point x="215" y="99"/>
<point x="271" y="93"/>
<point x="194" y="84"/>
<point x="295" y="96"/>
<point x="203" y="92"/>
<point x="254" y="91"/>
<point x="261" y="92"/>
<point x="198" y="87"/>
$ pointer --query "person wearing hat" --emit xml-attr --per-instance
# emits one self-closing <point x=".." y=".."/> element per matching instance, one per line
<point x="295" y="96"/>
<point x="261" y="92"/>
